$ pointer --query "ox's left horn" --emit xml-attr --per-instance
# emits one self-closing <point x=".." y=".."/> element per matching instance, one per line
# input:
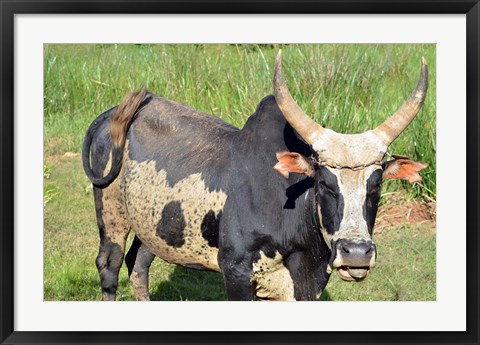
<point x="398" y="121"/>
<point x="308" y="129"/>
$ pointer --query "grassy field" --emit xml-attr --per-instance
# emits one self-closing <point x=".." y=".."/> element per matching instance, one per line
<point x="348" y="88"/>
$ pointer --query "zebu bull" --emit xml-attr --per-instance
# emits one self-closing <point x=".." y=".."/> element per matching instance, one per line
<point x="201" y="193"/>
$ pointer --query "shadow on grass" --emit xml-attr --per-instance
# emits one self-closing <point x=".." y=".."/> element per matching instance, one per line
<point x="325" y="296"/>
<point x="190" y="285"/>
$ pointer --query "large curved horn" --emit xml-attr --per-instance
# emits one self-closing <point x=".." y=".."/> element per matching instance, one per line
<point x="398" y="121"/>
<point x="308" y="129"/>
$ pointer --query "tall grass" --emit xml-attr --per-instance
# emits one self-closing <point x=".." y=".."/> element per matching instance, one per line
<point x="349" y="88"/>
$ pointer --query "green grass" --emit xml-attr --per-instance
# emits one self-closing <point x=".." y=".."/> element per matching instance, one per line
<point x="405" y="269"/>
<point x="349" y="88"/>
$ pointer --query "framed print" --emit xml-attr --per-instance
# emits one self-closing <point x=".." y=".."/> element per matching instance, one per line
<point x="281" y="205"/>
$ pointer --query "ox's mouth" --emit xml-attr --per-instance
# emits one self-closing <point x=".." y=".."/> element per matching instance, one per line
<point x="350" y="274"/>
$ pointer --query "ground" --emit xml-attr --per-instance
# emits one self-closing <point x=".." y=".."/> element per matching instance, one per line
<point x="397" y="209"/>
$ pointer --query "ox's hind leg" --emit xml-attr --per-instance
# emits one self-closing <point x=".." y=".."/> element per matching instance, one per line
<point x="138" y="260"/>
<point x="114" y="228"/>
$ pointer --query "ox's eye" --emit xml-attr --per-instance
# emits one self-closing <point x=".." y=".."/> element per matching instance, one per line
<point x="374" y="188"/>
<point x="327" y="189"/>
<point x="374" y="183"/>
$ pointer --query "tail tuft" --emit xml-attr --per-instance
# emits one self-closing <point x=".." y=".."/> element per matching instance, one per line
<point x="124" y="114"/>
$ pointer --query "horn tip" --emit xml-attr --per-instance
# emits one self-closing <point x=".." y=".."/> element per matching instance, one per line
<point x="278" y="59"/>
<point x="277" y="76"/>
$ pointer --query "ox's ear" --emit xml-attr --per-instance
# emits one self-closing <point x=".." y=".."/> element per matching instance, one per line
<point x="403" y="168"/>
<point x="292" y="162"/>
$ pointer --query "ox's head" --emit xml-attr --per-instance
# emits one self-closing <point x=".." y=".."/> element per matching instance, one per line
<point x="348" y="170"/>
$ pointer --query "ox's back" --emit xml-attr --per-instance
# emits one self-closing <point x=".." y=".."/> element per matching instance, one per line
<point x="180" y="140"/>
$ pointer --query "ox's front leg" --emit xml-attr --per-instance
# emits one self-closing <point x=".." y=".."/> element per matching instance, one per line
<point x="309" y="274"/>
<point x="236" y="266"/>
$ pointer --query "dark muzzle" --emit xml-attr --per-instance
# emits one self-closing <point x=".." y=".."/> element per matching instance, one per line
<point x="353" y="258"/>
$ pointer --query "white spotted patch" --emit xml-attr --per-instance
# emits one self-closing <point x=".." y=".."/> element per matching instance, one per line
<point x="272" y="279"/>
<point x="146" y="192"/>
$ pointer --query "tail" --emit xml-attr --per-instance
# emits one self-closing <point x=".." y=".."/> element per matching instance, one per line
<point x="119" y="124"/>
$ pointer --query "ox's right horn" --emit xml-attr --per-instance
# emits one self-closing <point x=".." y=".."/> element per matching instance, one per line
<point x="398" y="121"/>
<point x="308" y="129"/>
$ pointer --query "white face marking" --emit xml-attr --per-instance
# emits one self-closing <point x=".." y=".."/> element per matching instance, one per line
<point x="353" y="188"/>
<point x="146" y="192"/>
<point x="272" y="279"/>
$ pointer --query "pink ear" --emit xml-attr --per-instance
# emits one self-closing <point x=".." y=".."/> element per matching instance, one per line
<point x="404" y="169"/>
<point x="293" y="162"/>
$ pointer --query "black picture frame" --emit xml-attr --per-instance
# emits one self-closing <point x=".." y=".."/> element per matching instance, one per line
<point x="10" y="8"/>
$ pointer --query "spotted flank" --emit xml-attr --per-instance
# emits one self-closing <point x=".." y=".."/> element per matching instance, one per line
<point x="175" y="226"/>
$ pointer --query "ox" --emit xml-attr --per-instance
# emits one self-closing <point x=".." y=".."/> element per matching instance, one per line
<point x="202" y="193"/>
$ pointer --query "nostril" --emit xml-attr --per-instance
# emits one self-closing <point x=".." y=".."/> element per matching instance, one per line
<point x="345" y="249"/>
<point x="371" y="249"/>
